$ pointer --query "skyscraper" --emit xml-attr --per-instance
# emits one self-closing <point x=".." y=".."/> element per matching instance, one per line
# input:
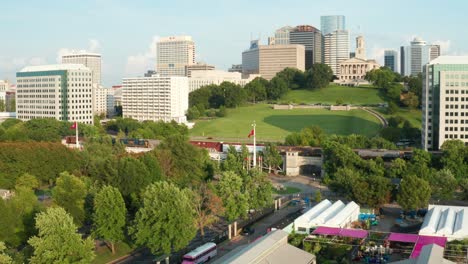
<point x="62" y="92"/>
<point x="312" y="40"/>
<point x="282" y="35"/>
<point x="391" y="60"/>
<point x="173" y="54"/>
<point x="415" y="56"/>
<point x="328" y="24"/>
<point x="336" y="49"/>
<point x="90" y="60"/>
<point x="444" y="101"/>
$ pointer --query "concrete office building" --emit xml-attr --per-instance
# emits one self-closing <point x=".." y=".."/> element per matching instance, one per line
<point x="173" y="54"/>
<point x="269" y="60"/>
<point x="328" y="24"/>
<point x="100" y="100"/>
<point x="336" y="49"/>
<point x="155" y="98"/>
<point x="235" y="68"/>
<point x="415" y="56"/>
<point x="203" y="78"/>
<point x="197" y="67"/>
<point x="391" y="60"/>
<point x="312" y="39"/>
<point x="282" y="36"/>
<point x="90" y="60"/>
<point x="4" y="86"/>
<point x="62" y="92"/>
<point x="444" y="101"/>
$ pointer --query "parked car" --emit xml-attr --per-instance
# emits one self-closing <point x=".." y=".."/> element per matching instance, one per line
<point x="248" y="230"/>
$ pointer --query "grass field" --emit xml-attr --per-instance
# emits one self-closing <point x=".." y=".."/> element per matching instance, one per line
<point x="104" y="254"/>
<point x="414" y="116"/>
<point x="329" y="95"/>
<point x="274" y="125"/>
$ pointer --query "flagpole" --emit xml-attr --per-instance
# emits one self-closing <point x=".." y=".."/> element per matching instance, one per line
<point x="76" y="131"/>
<point x="254" y="146"/>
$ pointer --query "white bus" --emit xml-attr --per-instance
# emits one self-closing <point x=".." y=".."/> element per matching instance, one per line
<point x="201" y="254"/>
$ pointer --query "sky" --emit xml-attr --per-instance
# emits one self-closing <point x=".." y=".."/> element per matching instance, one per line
<point x="37" y="32"/>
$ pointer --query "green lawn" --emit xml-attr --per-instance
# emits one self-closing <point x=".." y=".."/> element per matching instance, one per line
<point x="287" y="190"/>
<point x="414" y="116"/>
<point x="104" y="254"/>
<point x="274" y="125"/>
<point x="329" y="95"/>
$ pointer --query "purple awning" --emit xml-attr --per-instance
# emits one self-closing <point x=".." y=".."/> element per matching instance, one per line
<point x="399" y="237"/>
<point x="426" y="240"/>
<point x="329" y="231"/>
<point x="356" y="233"/>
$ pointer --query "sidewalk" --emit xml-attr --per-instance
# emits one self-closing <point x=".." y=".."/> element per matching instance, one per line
<point x="260" y="230"/>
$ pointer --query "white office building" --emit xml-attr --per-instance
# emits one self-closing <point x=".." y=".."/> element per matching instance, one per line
<point x="336" y="49"/>
<point x="282" y="36"/>
<point x="328" y="24"/>
<point x="90" y="60"/>
<point x="100" y="100"/>
<point x="61" y="91"/>
<point x="414" y="57"/>
<point x="445" y="101"/>
<point x="4" y="86"/>
<point x="155" y="98"/>
<point x="203" y="78"/>
<point x="174" y="54"/>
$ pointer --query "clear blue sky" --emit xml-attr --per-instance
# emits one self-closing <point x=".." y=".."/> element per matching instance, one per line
<point x="36" y="32"/>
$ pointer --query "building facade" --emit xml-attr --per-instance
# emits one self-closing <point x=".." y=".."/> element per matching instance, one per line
<point x="328" y="24"/>
<point x="444" y="101"/>
<point x="282" y="36"/>
<point x="354" y="70"/>
<point x="203" y="78"/>
<point x="235" y="68"/>
<point x="62" y="92"/>
<point x="173" y="54"/>
<point x="360" y="52"/>
<point x="336" y="49"/>
<point x="269" y="60"/>
<point x="312" y="39"/>
<point x="197" y="67"/>
<point x="155" y="98"/>
<point x="100" y="100"/>
<point x="415" y="56"/>
<point x="90" y="60"/>
<point x="391" y="60"/>
<point x="4" y="87"/>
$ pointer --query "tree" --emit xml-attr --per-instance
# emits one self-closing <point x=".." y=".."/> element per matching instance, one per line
<point x="455" y="157"/>
<point x="272" y="157"/>
<point x="234" y="94"/>
<point x="318" y="196"/>
<point x="166" y="222"/>
<point x="411" y="100"/>
<point x="4" y="258"/>
<point x="193" y="113"/>
<point x="256" y="90"/>
<point x="133" y="176"/>
<point x="235" y="201"/>
<point x="415" y="85"/>
<point x="443" y="185"/>
<point x="381" y="78"/>
<point x="414" y="193"/>
<point x="319" y="76"/>
<point x="2" y="105"/>
<point x="27" y="181"/>
<point x="69" y="193"/>
<point x="258" y="189"/>
<point x="392" y="108"/>
<point x="276" y="88"/>
<point x="58" y="241"/>
<point x="109" y="215"/>
<point x="208" y="207"/>
<point x="393" y="91"/>
<point x="397" y="168"/>
<point x="295" y="78"/>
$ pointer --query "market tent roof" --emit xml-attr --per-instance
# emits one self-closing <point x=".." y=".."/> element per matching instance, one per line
<point x="400" y="237"/>
<point x="304" y="220"/>
<point x="446" y="221"/>
<point x="344" y="232"/>
<point x="426" y="240"/>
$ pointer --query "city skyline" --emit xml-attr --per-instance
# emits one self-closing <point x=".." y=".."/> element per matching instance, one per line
<point x="125" y="33"/>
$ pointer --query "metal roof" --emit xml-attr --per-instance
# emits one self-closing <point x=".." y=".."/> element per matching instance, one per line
<point x="54" y="67"/>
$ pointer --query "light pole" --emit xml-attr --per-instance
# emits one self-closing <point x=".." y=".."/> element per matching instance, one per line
<point x="254" y="146"/>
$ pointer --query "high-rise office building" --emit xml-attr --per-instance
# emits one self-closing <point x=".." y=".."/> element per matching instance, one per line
<point x="282" y="35"/>
<point x="328" y="24"/>
<point x="444" y="101"/>
<point x="207" y="77"/>
<point x="415" y="56"/>
<point x="155" y="98"/>
<point x="4" y="86"/>
<point x="312" y="40"/>
<point x="336" y="49"/>
<point x="62" y="92"/>
<point x="391" y="60"/>
<point x="360" y="48"/>
<point x="173" y="54"/>
<point x="271" y="59"/>
<point x="90" y="60"/>
<point x="198" y="67"/>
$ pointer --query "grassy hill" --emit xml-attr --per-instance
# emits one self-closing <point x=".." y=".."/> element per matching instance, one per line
<point x="274" y="125"/>
<point x="329" y="95"/>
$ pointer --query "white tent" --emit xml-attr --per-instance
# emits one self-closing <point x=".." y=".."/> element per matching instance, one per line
<point x="343" y="218"/>
<point x="302" y="223"/>
<point x="329" y="213"/>
<point x="446" y="221"/>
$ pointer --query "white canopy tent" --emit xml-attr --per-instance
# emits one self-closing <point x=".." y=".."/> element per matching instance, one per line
<point x="446" y="221"/>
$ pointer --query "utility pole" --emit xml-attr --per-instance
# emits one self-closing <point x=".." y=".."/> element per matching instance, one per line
<point x="254" y="146"/>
